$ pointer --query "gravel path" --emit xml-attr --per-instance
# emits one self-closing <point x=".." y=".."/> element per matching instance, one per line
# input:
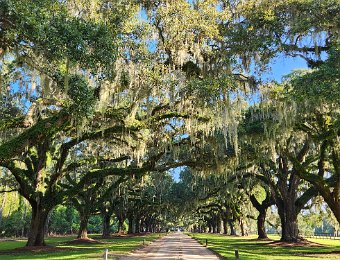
<point x="174" y="246"/>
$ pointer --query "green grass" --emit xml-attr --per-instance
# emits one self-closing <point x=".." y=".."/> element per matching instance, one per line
<point x="82" y="251"/>
<point x="252" y="249"/>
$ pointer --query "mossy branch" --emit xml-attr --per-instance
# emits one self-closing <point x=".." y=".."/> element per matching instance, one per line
<point x="42" y="130"/>
<point x="8" y="123"/>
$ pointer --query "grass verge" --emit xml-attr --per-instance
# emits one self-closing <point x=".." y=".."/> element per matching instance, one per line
<point x="64" y="250"/>
<point x="252" y="249"/>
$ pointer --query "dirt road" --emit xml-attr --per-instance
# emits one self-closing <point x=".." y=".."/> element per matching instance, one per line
<point x="174" y="246"/>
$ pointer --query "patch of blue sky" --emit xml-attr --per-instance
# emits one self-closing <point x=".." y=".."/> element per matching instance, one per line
<point x="143" y="15"/>
<point x="283" y="65"/>
<point x="152" y="45"/>
<point x="23" y="90"/>
<point x="174" y="123"/>
<point x="176" y="173"/>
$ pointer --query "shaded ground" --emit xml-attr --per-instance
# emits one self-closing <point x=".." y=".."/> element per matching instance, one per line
<point x="49" y="249"/>
<point x="82" y="241"/>
<point x="122" y="235"/>
<point x="302" y="243"/>
<point x="173" y="246"/>
<point x="34" y="249"/>
<point x="333" y="254"/>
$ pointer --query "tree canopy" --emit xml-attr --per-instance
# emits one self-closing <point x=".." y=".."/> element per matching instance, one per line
<point x="97" y="97"/>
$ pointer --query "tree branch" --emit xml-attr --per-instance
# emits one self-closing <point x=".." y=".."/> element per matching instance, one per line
<point x="12" y="190"/>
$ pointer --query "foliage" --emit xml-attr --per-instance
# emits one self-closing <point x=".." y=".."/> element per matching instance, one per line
<point x="96" y="104"/>
<point x="63" y="220"/>
<point x="319" y="86"/>
<point x="16" y="224"/>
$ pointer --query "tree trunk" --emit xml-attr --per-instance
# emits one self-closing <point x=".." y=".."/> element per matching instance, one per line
<point x="289" y="225"/>
<point x="120" y="226"/>
<point x="334" y="204"/>
<point x="214" y="228"/>
<point x="242" y="227"/>
<point x="37" y="229"/>
<point x="131" y="225"/>
<point x="262" y="209"/>
<point x="137" y="226"/>
<point x="106" y="225"/>
<point x="332" y="201"/>
<point x="82" y="233"/>
<point x="142" y="227"/>
<point x="290" y="231"/>
<point x="200" y="229"/>
<point x="335" y="208"/>
<point x="232" y="228"/>
<point x="225" y="226"/>
<point x="219" y="225"/>
<point x="261" y="230"/>
<point x="147" y="227"/>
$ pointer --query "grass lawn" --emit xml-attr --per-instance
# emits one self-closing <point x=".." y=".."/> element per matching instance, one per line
<point x="252" y="249"/>
<point x="76" y="251"/>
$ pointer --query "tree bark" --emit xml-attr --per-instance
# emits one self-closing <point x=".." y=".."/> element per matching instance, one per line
<point x="286" y="198"/>
<point x="232" y="228"/>
<point x="137" y="226"/>
<point x="214" y="228"/>
<point x="37" y="229"/>
<point x="148" y="227"/>
<point x="242" y="227"/>
<point x="331" y="197"/>
<point x="120" y="226"/>
<point x="219" y="225"/>
<point x="225" y="226"/>
<point x="121" y="220"/>
<point x="262" y="209"/>
<point x="131" y="228"/>
<point x="82" y="233"/>
<point x="334" y="205"/>
<point x="288" y="216"/>
<point x="290" y="231"/>
<point x="261" y="230"/>
<point x="106" y="225"/>
<point x="209" y="227"/>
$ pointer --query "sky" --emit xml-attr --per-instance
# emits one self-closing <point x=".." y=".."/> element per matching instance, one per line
<point x="283" y="65"/>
